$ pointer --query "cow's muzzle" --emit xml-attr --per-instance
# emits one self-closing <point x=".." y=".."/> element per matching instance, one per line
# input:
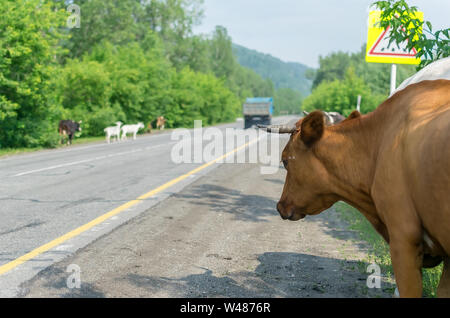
<point x="289" y="213"/>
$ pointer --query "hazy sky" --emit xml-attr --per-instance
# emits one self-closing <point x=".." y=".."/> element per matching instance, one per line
<point x="301" y="30"/>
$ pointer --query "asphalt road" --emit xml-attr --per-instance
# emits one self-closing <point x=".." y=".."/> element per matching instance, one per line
<point x="218" y="237"/>
<point x="47" y="194"/>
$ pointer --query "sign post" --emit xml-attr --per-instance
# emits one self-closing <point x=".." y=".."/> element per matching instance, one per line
<point x="393" y="77"/>
<point x="379" y="51"/>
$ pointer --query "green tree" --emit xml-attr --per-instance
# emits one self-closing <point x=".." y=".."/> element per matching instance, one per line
<point x="341" y="95"/>
<point x="332" y="67"/>
<point x="112" y="21"/>
<point x="130" y="61"/>
<point x="377" y="76"/>
<point x="223" y="61"/>
<point x="287" y="101"/>
<point x="173" y="20"/>
<point x="197" y="96"/>
<point x="406" y="28"/>
<point x="29" y="40"/>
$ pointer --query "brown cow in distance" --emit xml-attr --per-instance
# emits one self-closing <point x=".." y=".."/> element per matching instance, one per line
<point x="160" y="123"/>
<point x="69" y="128"/>
<point x="393" y="165"/>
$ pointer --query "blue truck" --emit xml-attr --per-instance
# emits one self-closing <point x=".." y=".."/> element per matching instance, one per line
<point x="257" y="110"/>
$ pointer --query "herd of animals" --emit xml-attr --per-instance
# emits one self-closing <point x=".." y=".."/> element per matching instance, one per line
<point x="392" y="164"/>
<point x="118" y="132"/>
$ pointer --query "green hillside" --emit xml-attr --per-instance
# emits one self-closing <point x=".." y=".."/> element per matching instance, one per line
<point x="283" y="74"/>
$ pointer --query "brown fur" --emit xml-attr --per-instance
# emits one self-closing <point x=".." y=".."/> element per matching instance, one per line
<point x="393" y="166"/>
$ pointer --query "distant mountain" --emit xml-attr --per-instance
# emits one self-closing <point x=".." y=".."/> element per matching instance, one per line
<point x="283" y="74"/>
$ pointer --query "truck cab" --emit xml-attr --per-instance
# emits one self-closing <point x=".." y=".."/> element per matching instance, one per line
<point x="257" y="110"/>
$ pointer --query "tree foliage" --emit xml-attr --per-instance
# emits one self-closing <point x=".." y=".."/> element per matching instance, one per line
<point x="341" y="95"/>
<point x="406" y="28"/>
<point x="287" y="101"/>
<point x="375" y="75"/>
<point x="129" y="61"/>
<point x="341" y="77"/>
<point x="28" y="45"/>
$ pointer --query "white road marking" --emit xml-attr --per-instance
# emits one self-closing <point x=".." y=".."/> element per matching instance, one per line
<point x="88" y="160"/>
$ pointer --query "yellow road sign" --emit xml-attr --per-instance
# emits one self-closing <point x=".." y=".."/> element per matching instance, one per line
<point x="378" y="49"/>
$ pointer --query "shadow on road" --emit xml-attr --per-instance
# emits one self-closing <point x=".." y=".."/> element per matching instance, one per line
<point x="336" y="227"/>
<point x="55" y="279"/>
<point x="278" y="275"/>
<point x="244" y="207"/>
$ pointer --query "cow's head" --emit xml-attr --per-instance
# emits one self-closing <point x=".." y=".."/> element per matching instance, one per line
<point x="306" y="190"/>
<point x="78" y="126"/>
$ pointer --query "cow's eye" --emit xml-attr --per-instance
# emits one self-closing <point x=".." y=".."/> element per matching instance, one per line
<point x="285" y="164"/>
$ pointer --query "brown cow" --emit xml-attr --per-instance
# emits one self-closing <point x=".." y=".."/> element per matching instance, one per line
<point x="160" y="123"/>
<point x="393" y="165"/>
<point x="69" y="128"/>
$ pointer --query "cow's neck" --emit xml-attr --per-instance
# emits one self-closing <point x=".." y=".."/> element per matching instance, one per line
<point x="349" y="153"/>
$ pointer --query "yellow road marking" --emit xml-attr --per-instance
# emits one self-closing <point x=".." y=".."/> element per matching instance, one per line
<point x="44" y="248"/>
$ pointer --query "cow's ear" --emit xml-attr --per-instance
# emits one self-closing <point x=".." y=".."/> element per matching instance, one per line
<point x="313" y="127"/>
<point x="354" y="114"/>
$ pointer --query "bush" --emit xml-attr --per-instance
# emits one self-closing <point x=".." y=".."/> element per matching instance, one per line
<point x="342" y="95"/>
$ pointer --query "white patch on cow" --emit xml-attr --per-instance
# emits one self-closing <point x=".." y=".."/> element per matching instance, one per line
<point x="330" y="118"/>
<point x="439" y="69"/>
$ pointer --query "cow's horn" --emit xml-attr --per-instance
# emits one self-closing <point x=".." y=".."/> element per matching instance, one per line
<point x="280" y="129"/>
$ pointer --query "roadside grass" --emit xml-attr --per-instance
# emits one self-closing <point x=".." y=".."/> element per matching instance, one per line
<point x="15" y="151"/>
<point x="76" y="141"/>
<point x="85" y="140"/>
<point x="378" y="249"/>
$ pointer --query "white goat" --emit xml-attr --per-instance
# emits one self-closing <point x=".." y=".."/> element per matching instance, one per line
<point x="131" y="129"/>
<point x="113" y="131"/>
